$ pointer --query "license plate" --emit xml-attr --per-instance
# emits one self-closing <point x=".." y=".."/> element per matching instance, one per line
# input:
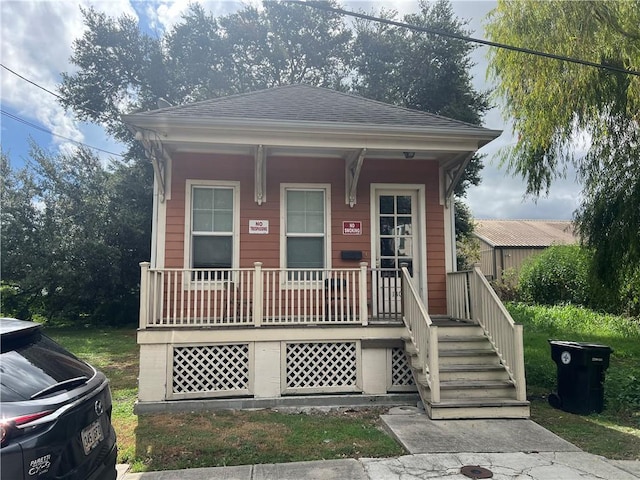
<point x="91" y="436"/>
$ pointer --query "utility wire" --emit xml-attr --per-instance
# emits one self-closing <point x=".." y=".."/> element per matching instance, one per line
<point x="42" y="129"/>
<point x="324" y="6"/>
<point x="31" y="82"/>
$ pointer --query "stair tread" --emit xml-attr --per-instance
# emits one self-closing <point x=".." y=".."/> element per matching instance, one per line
<point x="462" y="338"/>
<point x="480" y="402"/>
<point x="466" y="352"/>
<point x="450" y="384"/>
<point x="470" y="368"/>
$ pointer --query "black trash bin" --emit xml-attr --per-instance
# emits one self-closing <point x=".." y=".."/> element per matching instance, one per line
<point x="336" y="304"/>
<point x="581" y="368"/>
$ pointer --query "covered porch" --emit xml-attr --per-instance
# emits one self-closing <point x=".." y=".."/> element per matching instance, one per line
<point x="277" y="334"/>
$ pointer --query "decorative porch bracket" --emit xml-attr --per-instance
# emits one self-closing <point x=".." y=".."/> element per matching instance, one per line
<point x="352" y="167"/>
<point x="160" y="160"/>
<point x="260" y="158"/>
<point x="453" y="175"/>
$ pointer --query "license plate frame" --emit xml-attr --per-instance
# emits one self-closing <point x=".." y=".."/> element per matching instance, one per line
<point x="91" y="436"/>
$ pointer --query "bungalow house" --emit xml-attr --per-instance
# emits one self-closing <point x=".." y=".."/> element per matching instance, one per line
<point x="506" y="244"/>
<point x="303" y="252"/>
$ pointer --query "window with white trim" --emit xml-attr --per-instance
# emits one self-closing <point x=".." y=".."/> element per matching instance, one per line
<point x="213" y="221"/>
<point x="305" y="227"/>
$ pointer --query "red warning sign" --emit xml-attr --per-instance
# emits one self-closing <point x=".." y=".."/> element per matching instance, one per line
<point x="352" y="228"/>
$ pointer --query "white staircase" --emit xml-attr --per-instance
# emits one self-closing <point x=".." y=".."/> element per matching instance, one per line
<point x="473" y="382"/>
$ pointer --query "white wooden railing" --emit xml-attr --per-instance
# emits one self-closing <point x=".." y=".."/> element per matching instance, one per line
<point x="423" y="334"/>
<point x="482" y="306"/>
<point x="175" y="297"/>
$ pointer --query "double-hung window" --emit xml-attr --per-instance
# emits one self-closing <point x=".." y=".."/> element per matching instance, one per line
<point x="306" y="238"/>
<point x="212" y="232"/>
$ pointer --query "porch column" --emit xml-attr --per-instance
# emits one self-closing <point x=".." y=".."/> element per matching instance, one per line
<point x="364" y="309"/>
<point x="258" y="294"/>
<point x="144" y="295"/>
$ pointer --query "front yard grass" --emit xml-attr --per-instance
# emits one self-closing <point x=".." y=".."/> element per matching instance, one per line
<point x="206" y="439"/>
<point x="185" y="440"/>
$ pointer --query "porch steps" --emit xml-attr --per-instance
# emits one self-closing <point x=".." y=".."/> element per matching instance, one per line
<point x="473" y="382"/>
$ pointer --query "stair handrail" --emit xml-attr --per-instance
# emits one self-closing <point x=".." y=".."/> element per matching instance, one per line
<point x="422" y="333"/>
<point x="505" y="335"/>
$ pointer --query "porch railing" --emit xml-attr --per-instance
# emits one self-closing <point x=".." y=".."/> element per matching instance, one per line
<point x="470" y="297"/>
<point x="174" y="297"/>
<point x="423" y="334"/>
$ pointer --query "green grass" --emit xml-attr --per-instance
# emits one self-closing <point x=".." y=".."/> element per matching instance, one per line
<point x="614" y="433"/>
<point x="182" y="440"/>
<point x="187" y="440"/>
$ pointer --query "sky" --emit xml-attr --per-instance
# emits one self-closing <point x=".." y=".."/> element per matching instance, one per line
<point x="36" y="38"/>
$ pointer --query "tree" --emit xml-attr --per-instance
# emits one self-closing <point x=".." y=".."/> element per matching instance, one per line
<point x="554" y="103"/>
<point x="73" y="233"/>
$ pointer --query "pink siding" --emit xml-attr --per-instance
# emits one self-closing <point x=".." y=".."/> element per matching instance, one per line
<point x="266" y="248"/>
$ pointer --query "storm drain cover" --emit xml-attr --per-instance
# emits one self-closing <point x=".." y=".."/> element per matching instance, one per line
<point x="476" y="472"/>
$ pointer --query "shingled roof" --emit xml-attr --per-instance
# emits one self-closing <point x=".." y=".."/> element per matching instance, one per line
<point x="304" y="103"/>
<point x="525" y="233"/>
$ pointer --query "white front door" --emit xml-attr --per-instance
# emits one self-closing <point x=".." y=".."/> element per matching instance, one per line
<point x="396" y="242"/>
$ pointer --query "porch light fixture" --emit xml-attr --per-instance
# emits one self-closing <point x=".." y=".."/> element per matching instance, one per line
<point x="409" y="154"/>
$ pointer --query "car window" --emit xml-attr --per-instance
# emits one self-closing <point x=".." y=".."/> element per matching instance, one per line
<point x="29" y="365"/>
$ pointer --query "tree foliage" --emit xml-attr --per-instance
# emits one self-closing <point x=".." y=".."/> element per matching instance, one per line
<point x="73" y="233"/>
<point x="554" y="103"/>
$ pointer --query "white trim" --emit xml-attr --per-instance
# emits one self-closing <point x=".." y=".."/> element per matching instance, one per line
<point x="450" y="237"/>
<point x="419" y="189"/>
<point x="235" y="261"/>
<point x="326" y="187"/>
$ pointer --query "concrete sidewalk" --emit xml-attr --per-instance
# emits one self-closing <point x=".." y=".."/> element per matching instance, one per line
<point x="509" y="449"/>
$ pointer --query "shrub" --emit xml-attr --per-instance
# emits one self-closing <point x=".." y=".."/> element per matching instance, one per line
<point x="558" y="275"/>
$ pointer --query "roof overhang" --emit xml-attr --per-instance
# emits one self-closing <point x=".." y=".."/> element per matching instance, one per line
<point x="205" y="134"/>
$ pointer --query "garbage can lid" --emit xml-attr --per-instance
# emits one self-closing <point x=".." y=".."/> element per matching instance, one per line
<point x="579" y="345"/>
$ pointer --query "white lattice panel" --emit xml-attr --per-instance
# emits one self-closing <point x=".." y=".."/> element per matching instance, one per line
<point x="400" y="376"/>
<point x="321" y="367"/>
<point x="211" y="370"/>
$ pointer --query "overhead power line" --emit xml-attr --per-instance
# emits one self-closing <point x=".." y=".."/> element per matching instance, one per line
<point x="42" y="129"/>
<point x="326" y="7"/>
<point x="31" y="82"/>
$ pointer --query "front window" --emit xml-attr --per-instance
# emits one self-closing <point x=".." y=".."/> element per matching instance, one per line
<point x="305" y="231"/>
<point x="212" y="229"/>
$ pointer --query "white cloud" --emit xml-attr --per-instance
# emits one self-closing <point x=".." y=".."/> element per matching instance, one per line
<point x="35" y="41"/>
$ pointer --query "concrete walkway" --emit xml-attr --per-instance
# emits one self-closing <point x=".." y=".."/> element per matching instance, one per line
<point x="509" y="449"/>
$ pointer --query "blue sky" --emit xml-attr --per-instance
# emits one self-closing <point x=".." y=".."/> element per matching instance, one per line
<point x="36" y="38"/>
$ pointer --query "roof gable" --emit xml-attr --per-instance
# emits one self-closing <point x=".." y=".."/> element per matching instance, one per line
<point x="525" y="233"/>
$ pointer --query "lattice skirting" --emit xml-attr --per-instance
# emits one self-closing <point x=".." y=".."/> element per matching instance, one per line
<point x="323" y="367"/>
<point x="400" y="378"/>
<point x="211" y="371"/>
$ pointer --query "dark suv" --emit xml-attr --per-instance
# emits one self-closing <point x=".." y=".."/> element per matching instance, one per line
<point x="55" y="410"/>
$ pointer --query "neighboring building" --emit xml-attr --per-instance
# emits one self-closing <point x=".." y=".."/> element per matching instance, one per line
<point x="505" y="244"/>
<point x="301" y="237"/>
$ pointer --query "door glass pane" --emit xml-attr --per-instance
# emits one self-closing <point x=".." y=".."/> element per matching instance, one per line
<point x="212" y="252"/>
<point x="386" y="247"/>
<point x="386" y="204"/>
<point x="305" y="252"/>
<point x="386" y="225"/>
<point x="404" y="226"/>
<point x="404" y="204"/>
